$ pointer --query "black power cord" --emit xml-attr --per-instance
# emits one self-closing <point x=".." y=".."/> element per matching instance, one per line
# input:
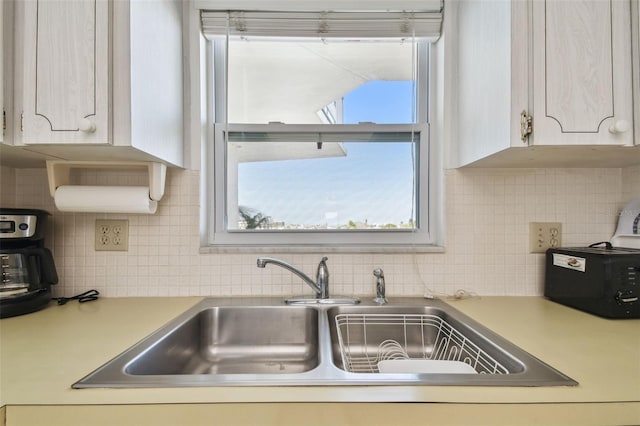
<point x="87" y="296"/>
<point x="607" y="245"/>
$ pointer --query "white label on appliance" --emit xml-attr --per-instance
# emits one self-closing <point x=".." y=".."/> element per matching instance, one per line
<point x="570" y="262"/>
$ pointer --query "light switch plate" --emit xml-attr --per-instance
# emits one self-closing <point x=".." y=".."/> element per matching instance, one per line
<point x="544" y="235"/>
<point x="112" y="235"/>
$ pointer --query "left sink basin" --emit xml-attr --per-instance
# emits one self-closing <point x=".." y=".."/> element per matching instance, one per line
<point x="221" y="341"/>
<point x="235" y="340"/>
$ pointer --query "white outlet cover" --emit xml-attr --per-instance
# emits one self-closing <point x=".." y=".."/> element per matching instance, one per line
<point x="112" y="235"/>
<point x="544" y="235"/>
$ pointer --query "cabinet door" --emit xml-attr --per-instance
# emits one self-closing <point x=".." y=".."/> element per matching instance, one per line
<point x="635" y="26"/>
<point x="66" y="63"/>
<point x="6" y="64"/>
<point x="582" y="72"/>
<point x="2" y="65"/>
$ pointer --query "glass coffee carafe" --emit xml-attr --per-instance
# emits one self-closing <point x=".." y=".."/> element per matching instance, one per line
<point x="27" y="268"/>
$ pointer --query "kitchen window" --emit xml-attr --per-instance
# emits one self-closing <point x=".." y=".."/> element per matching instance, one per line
<point x="320" y="133"/>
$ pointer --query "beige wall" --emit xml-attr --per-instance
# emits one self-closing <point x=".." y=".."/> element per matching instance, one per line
<point x="487" y="216"/>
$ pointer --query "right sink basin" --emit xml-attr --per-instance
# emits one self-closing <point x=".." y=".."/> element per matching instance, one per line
<point x="401" y="343"/>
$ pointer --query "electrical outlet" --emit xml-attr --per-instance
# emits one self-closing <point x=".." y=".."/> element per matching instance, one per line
<point x="544" y="235"/>
<point x="112" y="235"/>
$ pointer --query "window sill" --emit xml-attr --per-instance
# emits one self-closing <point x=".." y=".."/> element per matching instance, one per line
<point x="392" y="249"/>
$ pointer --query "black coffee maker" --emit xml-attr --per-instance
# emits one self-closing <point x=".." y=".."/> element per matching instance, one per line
<point x="27" y="267"/>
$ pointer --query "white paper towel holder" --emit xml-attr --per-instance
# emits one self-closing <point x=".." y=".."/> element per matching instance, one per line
<point x="627" y="233"/>
<point x="59" y="172"/>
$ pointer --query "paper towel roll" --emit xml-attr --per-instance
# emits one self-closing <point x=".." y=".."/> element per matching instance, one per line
<point x="104" y="199"/>
<point x="628" y="230"/>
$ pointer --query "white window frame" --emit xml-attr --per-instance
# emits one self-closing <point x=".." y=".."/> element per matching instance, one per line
<point x="218" y="238"/>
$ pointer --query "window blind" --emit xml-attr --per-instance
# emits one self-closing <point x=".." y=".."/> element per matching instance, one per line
<point x="334" y="25"/>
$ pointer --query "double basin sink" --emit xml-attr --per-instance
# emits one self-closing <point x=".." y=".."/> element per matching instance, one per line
<point x="263" y="342"/>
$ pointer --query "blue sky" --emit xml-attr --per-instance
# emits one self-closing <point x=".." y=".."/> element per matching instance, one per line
<point x="373" y="182"/>
<point x="383" y="102"/>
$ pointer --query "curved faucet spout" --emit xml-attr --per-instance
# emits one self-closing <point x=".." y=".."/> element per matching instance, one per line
<point x="263" y="261"/>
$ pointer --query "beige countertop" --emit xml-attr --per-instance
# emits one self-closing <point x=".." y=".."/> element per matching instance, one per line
<point x="43" y="353"/>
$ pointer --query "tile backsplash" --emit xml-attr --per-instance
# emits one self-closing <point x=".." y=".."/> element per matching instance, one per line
<point x="487" y="215"/>
<point x="630" y="183"/>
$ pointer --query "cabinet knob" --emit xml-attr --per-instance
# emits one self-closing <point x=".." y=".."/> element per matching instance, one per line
<point x="87" y="126"/>
<point x="619" y="126"/>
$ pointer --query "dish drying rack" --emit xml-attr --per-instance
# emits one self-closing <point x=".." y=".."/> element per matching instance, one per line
<point x="363" y="342"/>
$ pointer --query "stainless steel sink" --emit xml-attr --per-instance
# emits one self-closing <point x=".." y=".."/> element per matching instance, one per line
<point x="263" y="342"/>
<point x="362" y="336"/>
<point x="235" y="340"/>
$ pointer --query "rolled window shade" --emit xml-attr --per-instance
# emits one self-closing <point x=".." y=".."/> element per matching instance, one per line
<point x="337" y="25"/>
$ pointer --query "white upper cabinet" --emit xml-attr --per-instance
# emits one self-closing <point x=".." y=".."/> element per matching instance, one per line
<point x="490" y="48"/>
<point x="543" y="83"/>
<point x="635" y="26"/>
<point x="6" y="15"/>
<point x="2" y="65"/>
<point x="99" y="80"/>
<point x="65" y="97"/>
<point x="6" y="71"/>
<point x="582" y="92"/>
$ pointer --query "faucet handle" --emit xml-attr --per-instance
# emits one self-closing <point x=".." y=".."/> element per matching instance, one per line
<point x="322" y="278"/>
<point x="322" y="267"/>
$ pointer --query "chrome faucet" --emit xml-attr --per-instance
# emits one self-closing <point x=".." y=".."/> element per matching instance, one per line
<point x="380" y="287"/>
<point x="321" y="286"/>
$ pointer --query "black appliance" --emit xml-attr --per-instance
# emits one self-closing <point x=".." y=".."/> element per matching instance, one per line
<point x="27" y="267"/>
<point x="601" y="280"/>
